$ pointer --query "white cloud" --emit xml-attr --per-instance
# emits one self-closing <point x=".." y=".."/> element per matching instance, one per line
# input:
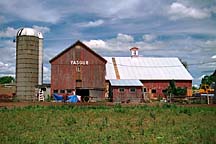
<point x="6" y="69"/>
<point x="211" y="43"/>
<point x="93" y="23"/>
<point x="95" y="43"/>
<point x="41" y="28"/>
<point x="3" y="65"/>
<point x="46" y="74"/>
<point x="45" y="69"/>
<point x="124" y="38"/>
<point x="213" y="57"/>
<point x="122" y="42"/>
<point x="149" y="37"/>
<point x="120" y="9"/>
<point x="9" y="32"/>
<point x="178" y="10"/>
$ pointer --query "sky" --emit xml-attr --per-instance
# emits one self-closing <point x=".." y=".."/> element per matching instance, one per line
<point x="159" y="28"/>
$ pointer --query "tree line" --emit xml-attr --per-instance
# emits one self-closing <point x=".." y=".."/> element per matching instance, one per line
<point x="6" y="79"/>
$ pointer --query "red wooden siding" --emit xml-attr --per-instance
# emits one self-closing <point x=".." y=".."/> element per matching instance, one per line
<point x="160" y="85"/>
<point x="64" y="75"/>
<point x="127" y="95"/>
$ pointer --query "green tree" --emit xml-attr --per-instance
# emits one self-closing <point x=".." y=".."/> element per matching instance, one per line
<point x="209" y="79"/>
<point x="173" y="90"/>
<point x="6" y="79"/>
<point x="185" y="64"/>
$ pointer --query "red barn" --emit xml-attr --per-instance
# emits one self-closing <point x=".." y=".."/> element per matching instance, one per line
<point x="155" y="73"/>
<point x="80" y="69"/>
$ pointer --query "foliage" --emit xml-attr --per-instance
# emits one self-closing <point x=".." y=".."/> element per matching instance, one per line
<point x="100" y="124"/>
<point x="209" y="79"/>
<point x="6" y="79"/>
<point x="172" y="89"/>
<point x="185" y="64"/>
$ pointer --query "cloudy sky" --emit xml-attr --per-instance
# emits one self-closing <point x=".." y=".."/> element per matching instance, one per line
<point x="160" y="28"/>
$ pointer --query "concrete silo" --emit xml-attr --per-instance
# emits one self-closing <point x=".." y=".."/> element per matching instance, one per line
<point x="29" y="65"/>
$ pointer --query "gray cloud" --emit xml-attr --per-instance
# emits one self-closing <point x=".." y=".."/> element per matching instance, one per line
<point x="92" y="23"/>
<point x="41" y="29"/>
<point x="31" y="10"/>
<point x="178" y="10"/>
<point x="9" y="32"/>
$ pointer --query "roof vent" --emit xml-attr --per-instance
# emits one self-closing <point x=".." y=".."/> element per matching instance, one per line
<point x="134" y="52"/>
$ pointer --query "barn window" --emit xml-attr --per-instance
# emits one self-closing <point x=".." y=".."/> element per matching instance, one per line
<point x="164" y="91"/>
<point x="154" y="91"/>
<point x="78" y="68"/>
<point x="144" y="90"/>
<point x="62" y="91"/>
<point x="132" y="90"/>
<point x="121" y="89"/>
<point x="55" y="91"/>
<point x="69" y="90"/>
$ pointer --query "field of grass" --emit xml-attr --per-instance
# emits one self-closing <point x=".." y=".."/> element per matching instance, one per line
<point x="102" y="124"/>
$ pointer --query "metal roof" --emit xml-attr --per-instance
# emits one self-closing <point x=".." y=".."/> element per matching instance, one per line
<point x="147" y="68"/>
<point x="29" y="32"/>
<point x="125" y="82"/>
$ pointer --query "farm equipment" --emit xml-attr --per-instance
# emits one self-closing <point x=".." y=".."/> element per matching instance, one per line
<point x="206" y="89"/>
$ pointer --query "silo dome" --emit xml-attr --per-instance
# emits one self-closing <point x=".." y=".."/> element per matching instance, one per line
<point x="29" y="32"/>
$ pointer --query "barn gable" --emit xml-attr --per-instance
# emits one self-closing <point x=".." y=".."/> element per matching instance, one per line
<point x="77" y="43"/>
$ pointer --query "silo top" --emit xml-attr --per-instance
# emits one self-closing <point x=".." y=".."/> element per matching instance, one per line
<point x="29" y="32"/>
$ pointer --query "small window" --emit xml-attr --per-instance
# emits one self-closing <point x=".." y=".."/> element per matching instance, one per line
<point x="69" y="90"/>
<point x="164" y="91"/>
<point x="55" y="91"/>
<point x="62" y="91"/>
<point x="132" y="90"/>
<point x="121" y="89"/>
<point x="78" y="80"/>
<point x="43" y="89"/>
<point x="144" y="90"/>
<point x="154" y="91"/>
<point x="78" y="68"/>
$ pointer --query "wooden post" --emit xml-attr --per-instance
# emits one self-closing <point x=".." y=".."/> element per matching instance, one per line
<point x="214" y="98"/>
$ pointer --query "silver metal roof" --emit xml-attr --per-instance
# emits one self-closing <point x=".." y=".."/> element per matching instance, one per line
<point x="29" y="32"/>
<point x="125" y="82"/>
<point x="147" y="68"/>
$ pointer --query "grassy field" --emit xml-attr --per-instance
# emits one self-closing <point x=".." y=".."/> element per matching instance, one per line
<point x="102" y="124"/>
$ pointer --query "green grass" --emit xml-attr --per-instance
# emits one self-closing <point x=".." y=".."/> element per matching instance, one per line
<point x="100" y="124"/>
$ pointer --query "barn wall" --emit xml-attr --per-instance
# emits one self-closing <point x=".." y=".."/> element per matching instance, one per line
<point x="126" y="96"/>
<point x="160" y="85"/>
<point x="67" y="74"/>
<point x="97" y="95"/>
